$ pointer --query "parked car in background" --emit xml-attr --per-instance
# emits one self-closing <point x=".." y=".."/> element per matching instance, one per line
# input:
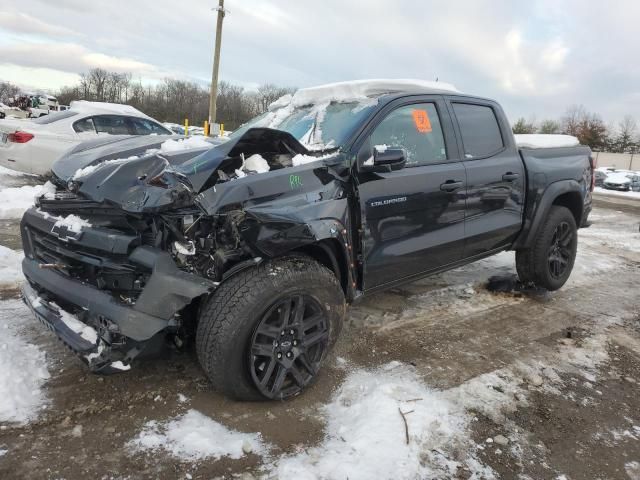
<point x="600" y="177"/>
<point x="622" y="180"/>
<point x="32" y="146"/>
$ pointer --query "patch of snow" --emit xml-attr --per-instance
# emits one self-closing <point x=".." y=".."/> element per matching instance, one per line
<point x="366" y="436"/>
<point x="24" y="366"/>
<point x="78" y="327"/>
<point x="83" y="172"/>
<point x="617" y="193"/>
<point x="184" y="144"/>
<point x="83" y="106"/>
<point x="301" y="159"/>
<point x="10" y="267"/>
<point x="358" y="90"/>
<point x="3" y="452"/>
<point x="194" y="436"/>
<point x="72" y="222"/>
<point x="118" y="365"/>
<point x="633" y="470"/>
<point x="545" y="141"/>
<point x="256" y="164"/>
<point x="15" y="201"/>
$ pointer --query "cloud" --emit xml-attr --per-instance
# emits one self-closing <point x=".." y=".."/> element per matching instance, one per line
<point x="71" y="57"/>
<point x="535" y="57"/>
<point x="22" y="23"/>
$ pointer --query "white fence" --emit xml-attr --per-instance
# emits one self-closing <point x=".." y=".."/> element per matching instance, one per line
<point x="623" y="161"/>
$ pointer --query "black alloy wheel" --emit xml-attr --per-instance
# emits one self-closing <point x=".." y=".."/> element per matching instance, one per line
<point x="560" y="250"/>
<point x="288" y="345"/>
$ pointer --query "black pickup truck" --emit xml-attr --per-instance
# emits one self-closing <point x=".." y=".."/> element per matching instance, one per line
<point x="254" y="246"/>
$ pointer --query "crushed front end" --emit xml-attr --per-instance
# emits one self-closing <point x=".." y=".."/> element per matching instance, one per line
<point x="99" y="278"/>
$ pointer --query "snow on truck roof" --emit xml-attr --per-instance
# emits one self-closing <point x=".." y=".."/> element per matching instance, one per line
<point x="545" y="141"/>
<point x="358" y="91"/>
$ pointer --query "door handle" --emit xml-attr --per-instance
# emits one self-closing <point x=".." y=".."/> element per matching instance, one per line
<point x="510" y="177"/>
<point x="451" y="185"/>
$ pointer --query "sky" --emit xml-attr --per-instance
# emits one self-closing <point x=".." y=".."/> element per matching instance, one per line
<point x="536" y="57"/>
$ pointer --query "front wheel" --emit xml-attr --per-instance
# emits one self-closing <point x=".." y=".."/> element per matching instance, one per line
<point x="549" y="262"/>
<point x="266" y="331"/>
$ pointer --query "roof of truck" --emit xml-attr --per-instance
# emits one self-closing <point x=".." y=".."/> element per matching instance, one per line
<point x="360" y="91"/>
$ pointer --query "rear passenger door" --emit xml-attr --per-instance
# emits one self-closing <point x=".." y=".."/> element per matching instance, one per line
<point x="413" y="218"/>
<point x="495" y="175"/>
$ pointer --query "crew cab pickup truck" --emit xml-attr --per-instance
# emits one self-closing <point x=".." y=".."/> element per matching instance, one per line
<point x="254" y="247"/>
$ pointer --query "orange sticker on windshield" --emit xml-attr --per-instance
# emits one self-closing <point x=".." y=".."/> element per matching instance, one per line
<point x="421" y="119"/>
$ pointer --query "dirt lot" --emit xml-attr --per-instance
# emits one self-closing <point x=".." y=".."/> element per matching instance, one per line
<point x="537" y="385"/>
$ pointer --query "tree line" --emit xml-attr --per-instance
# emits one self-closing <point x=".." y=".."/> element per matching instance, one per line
<point x="173" y="100"/>
<point x="589" y="128"/>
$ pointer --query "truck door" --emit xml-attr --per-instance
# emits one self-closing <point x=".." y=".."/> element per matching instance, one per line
<point x="413" y="217"/>
<point x="495" y="176"/>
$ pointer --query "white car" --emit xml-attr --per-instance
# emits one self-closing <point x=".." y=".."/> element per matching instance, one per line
<point x="32" y="146"/>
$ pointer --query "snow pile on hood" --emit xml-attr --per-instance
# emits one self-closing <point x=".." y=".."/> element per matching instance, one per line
<point x="195" y="436"/>
<point x="83" y="172"/>
<point x="10" y="267"/>
<point x="14" y="201"/>
<point x="256" y="163"/>
<point x="545" y="141"/>
<point x="24" y="366"/>
<point x="366" y="435"/>
<point x="72" y="222"/>
<point x="184" y="144"/>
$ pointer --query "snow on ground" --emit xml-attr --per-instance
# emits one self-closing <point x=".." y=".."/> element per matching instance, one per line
<point x="10" y="267"/>
<point x="633" y="470"/>
<point x="23" y="366"/>
<point x="617" y="193"/>
<point x="15" y="200"/>
<point x="194" y="436"/>
<point x="366" y="436"/>
<point x="624" y="234"/>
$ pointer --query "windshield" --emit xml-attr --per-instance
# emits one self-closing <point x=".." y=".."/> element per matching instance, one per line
<point x="317" y="127"/>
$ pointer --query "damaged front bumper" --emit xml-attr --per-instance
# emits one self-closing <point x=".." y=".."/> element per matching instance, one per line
<point x="123" y="329"/>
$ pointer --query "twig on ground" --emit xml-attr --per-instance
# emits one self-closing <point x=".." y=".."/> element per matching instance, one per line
<point x="406" y="425"/>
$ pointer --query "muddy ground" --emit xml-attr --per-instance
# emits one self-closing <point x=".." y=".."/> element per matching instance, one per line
<point x="450" y="327"/>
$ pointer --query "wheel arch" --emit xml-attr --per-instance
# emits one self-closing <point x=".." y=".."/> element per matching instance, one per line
<point x="565" y="193"/>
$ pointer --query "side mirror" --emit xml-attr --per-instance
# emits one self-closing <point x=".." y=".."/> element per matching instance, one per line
<point x="385" y="160"/>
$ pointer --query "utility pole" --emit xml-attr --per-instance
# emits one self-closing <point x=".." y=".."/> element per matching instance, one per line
<point x="216" y="65"/>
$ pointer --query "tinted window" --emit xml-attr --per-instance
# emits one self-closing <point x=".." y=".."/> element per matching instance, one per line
<point x="54" y="117"/>
<point x="111" y="124"/>
<point x="416" y="128"/>
<point x="143" y="126"/>
<point x="481" y="135"/>
<point x="84" y="125"/>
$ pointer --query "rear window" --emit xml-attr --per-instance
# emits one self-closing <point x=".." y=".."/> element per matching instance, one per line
<point x="54" y="117"/>
<point x="480" y="131"/>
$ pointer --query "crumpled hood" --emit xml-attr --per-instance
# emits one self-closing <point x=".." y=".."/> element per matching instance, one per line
<point x="161" y="181"/>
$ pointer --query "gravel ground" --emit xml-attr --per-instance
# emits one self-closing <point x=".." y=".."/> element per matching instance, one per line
<point x="533" y="385"/>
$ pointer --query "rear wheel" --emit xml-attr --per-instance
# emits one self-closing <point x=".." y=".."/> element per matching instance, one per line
<point x="265" y="332"/>
<point x="549" y="262"/>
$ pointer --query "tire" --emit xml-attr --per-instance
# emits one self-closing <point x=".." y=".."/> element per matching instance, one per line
<point x="549" y="261"/>
<point x="246" y="323"/>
